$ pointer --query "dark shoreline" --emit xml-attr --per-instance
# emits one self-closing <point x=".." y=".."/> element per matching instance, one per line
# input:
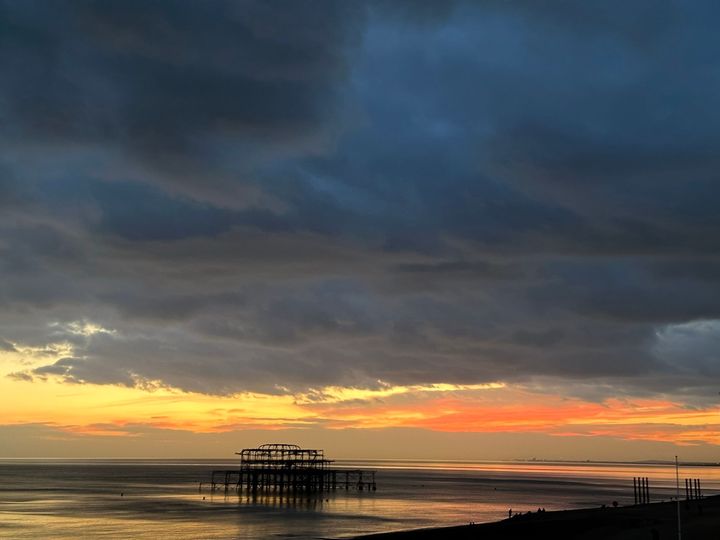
<point x="657" y="521"/>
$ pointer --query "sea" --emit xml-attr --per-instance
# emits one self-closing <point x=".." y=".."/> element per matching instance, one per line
<point x="63" y="499"/>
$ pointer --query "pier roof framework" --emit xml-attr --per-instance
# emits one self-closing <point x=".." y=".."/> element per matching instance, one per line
<point x="282" y="457"/>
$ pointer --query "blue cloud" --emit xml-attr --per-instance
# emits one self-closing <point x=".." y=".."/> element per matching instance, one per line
<point x="465" y="192"/>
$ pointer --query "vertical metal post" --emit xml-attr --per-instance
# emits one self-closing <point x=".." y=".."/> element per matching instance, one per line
<point x="644" y="479"/>
<point x="646" y="495"/>
<point x="642" y="490"/>
<point x="635" y="494"/>
<point x="677" y="496"/>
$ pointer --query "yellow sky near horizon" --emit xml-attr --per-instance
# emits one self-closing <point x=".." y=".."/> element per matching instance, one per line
<point x="111" y="410"/>
<point x="94" y="411"/>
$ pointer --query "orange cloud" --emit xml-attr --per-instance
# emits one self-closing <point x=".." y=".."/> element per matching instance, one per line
<point x="656" y="420"/>
<point x="95" y="430"/>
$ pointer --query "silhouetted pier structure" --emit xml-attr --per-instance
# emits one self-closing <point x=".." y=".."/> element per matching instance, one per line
<point x="289" y="468"/>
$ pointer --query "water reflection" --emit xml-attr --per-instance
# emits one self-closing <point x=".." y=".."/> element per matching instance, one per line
<point x="293" y="501"/>
<point x="161" y="499"/>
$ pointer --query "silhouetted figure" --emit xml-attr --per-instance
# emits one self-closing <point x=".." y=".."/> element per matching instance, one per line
<point x="510" y="513"/>
<point x="615" y="504"/>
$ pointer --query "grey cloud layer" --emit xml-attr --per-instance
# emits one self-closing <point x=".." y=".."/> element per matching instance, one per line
<point x="274" y="196"/>
<point x="191" y="94"/>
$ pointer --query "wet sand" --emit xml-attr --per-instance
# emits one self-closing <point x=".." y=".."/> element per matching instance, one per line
<point x="658" y="521"/>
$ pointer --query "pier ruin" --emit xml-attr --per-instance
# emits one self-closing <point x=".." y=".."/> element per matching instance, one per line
<point x="289" y="468"/>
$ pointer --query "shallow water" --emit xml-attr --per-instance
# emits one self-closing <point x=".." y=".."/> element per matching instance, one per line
<point x="160" y="498"/>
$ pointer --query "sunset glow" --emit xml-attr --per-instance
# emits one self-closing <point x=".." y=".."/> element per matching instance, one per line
<point x="87" y="410"/>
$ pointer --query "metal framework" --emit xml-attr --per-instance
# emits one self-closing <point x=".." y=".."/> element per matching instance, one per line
<point x="282" y="456"/>
<point x="289" y="468"/>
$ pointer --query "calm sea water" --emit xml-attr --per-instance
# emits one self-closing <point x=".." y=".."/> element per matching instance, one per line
<point x="81" y="499"/>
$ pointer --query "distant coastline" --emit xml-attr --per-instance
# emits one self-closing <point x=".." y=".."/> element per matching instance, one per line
<point x="610" y="462"/>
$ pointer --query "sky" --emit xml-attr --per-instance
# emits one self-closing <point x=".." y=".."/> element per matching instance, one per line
<point x="392" y="229"/>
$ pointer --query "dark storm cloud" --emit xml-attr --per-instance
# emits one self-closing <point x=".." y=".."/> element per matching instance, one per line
<point x="279" y="196"/>
<point x="175" y="87"/>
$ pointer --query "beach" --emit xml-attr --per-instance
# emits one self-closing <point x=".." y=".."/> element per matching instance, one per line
<point x="700" y="520"/>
